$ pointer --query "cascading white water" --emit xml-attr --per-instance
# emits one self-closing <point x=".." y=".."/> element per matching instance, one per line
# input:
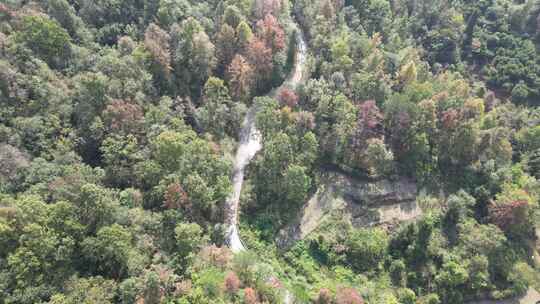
<point x="250" y="144"/>
<point x="299" y="71"/>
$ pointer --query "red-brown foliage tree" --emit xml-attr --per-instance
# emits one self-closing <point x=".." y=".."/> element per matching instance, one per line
<point x="176" y="197"/>
<point x="348" y="296"/>
<point x="450" y="119"/>
<point x="123" y="117"/>
<point x="398" y="128"/>
<point x="216" y="256"/>
<point x="370" y="116"/>
<point x="232" y="283"/>
<point x="240" y="77"/>
<point x="260" y="57"/>
<point x="156" y="41"/>
<point x="250" y="296"/>
<point x="506" y="215"/>
<point x="270" y="31"/>
<point x="5" y="12"/>
<point x="288" y="98"/>
<point x="324" y="297"/>
<point x="369" y="125"/>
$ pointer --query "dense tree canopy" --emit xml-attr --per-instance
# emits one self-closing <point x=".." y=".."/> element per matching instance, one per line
<point x="120" y="119"/>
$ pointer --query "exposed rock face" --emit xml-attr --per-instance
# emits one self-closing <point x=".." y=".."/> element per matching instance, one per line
<point x="360" y="202"/>
<point x="377" y="193"/>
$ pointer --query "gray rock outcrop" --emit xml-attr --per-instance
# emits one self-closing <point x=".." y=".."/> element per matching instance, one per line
<point x="362" y="203"/>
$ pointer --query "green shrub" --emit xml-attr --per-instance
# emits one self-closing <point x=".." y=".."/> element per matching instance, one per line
<point x="366" y="248"/>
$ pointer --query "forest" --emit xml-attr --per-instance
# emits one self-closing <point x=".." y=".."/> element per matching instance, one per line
<point x="140" y="139"/>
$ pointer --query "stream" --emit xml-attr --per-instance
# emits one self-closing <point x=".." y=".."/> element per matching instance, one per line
<point x="251" y="142"/>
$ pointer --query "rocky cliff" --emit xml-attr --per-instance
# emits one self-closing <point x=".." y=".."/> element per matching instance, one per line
<point x="362" y="203"/>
